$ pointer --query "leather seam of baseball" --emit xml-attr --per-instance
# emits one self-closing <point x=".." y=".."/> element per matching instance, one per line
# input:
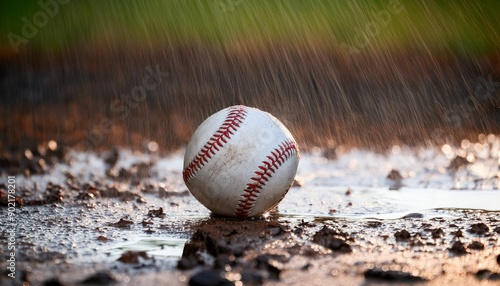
<point x="265" y="171"/>
<point x="230" y="125"/>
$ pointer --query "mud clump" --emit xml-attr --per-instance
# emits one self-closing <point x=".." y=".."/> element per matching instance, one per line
<point x="100" y="278"/>
<point x="458" y="163"/>
<point x="220" y="244"/>
<point x="479" y="228"/>
<point x="209" y="278"/>
<point x="133" y="257"/>
<point x="392" y="276"/>
<point x="395" y="180"/>
<point x="487" y="274"/>
<point x="402" y="235"/>
<point x="435" y="232"/>
<point x="156" y="213"/>
<point x="333" y="239"/>
<point x="458" y="248"/>
<point x="476" y="245"/>
<point x="37" y="159"/>
<point x="122" y="223"/>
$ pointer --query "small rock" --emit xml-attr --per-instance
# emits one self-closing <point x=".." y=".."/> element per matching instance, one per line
<point x="112" y="158"/>
<point x="487" y="274"/>
<point x="394" y="175"/>
<point x="332" y="239"/>
<point x="306" y="266"/>
<point x="156" y="213"/>
<point x="458" y="163"/>
<point x="392" y="275"/>
<point x="458" y="248"/>
<point x="413" y="215"/>
<point x="101" y="278"/>
<point x="132" y="257"/>
<point x="122" y="223"/>
<point x="402" y="235"/>
<point x="458" y="233"/>
<point x="296" y="183"/>
<point x="436" y="232"/>
<point x="476" y="245"/>
<point x="395" y="180"/>
<point x="265" y="262"/>
<point x="249" y="277"/>
<point x="373" y="223"/>
<point x="102" y="238"/>
<point x="209" y="278"/>
<point x="479" y="228"/>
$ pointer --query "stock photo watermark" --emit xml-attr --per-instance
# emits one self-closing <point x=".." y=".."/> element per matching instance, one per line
<point x="225" y="6"/>
<point x="122" y="107"/>
<point x="11" y="227"/>
<point x="372" y="29"/>
<point x="32" y="26"/>
<point x="458" y="114"/>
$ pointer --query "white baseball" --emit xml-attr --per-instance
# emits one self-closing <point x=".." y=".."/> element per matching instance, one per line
<point x="240" y="162"/>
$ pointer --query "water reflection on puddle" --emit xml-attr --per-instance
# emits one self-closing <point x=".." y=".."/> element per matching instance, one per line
<point x="381" y="203"/>
<point x="153" y="246"/>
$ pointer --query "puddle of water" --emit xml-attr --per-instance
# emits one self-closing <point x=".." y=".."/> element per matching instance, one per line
<point x="153" y="246"/>
<point x="381" y="203"/>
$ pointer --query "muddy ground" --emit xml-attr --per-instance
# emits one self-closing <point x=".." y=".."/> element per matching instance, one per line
<point x="126" y="218"/>
<point x="419" y="209"/>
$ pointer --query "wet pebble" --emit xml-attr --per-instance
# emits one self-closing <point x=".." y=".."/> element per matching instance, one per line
<point x="133" y="257"/>
<point x="435" y="232"/>
<point x="479" y="228"/>
<point x="156" y="213"/>
<point x="402" y="235"/>
<point x="457" y="233"/>
<point x="413" y="215"/>
<point x="122" y="223"/>
<point x="458" y="248"/>
<point x="458" y="163"/>
<point x="102" y="238"/>
<point x="487" y="274"/>
<point x="476" y="245"/>
<point x="395" y="179"/>
<point x="265" y="262"/>
<point x="100" y="278"/>
<point x="209" y="278"/>
<point x="392" y="275"/>
<point x="251" y="277"/>
<point x="333" y="239"/>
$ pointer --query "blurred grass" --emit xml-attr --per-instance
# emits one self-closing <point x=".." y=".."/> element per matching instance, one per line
<point x="467" y="27"/>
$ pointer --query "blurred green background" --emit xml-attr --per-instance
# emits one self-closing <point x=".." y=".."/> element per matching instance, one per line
<point x="467" y="27"/>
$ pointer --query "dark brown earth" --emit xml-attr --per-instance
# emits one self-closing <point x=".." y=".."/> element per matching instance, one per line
<point x="71" y="219"/>
<point x="85" y="98"/>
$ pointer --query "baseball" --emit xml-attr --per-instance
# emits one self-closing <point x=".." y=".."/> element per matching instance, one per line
<point x="240" y="162"/>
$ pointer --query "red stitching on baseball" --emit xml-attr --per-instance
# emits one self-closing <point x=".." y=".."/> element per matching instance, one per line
<point x="264" y="173"/>
<point x="220" y="137"/>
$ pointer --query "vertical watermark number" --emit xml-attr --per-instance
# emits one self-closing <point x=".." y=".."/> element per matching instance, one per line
<point x="11" y="226"/>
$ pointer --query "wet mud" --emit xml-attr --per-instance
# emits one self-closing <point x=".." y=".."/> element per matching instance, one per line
<point x="126" y="218"/>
